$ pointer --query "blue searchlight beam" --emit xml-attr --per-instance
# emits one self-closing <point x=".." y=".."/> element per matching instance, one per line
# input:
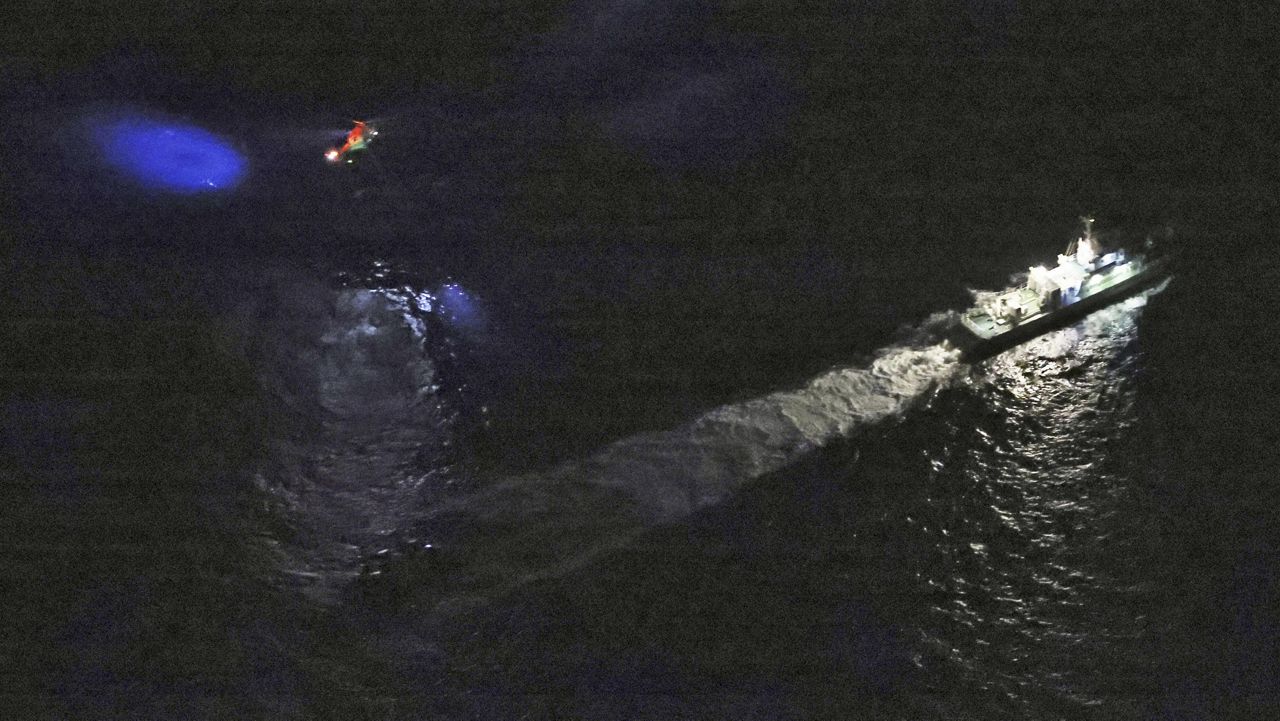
<point x="170" y="156"/>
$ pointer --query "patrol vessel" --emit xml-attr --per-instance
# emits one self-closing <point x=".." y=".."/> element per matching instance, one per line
<point x="1084" y="280"/>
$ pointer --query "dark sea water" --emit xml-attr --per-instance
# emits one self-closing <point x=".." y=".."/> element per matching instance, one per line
<point x="615" y="390"/>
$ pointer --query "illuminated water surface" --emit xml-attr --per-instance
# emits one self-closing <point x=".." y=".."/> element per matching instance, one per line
<point x="169" y="156"/>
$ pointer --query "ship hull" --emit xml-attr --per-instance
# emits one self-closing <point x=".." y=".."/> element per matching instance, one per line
<point x="974" y="348"/>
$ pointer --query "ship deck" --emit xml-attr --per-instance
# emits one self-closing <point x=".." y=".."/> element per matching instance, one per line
<point x="985" y="327"/>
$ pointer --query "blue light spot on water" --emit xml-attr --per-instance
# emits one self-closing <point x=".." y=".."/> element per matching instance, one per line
<point x="460" y="308"/>
<point x="170" y="156"/>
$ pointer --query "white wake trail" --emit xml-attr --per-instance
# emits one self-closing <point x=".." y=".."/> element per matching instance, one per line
<point x="674" y="473"/>
<point x="352" y="484"/>
<point x="545" y="524"/>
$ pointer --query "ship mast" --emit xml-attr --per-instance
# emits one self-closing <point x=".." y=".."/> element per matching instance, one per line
<point x="1088" y="226"/>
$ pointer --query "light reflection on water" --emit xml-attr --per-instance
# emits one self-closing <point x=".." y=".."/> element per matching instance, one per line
<point x="1044" y="492"/>
<point x="971" y="559"/>
<point x="1003" y="521"/>
<point x="365" y="372"/>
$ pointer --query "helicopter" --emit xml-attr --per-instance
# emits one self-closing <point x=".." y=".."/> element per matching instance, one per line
<point x="358" y="138"/>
